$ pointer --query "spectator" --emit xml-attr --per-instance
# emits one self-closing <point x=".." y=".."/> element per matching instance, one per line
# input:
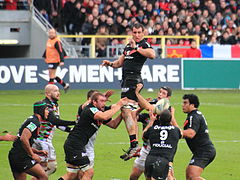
<point x="227" y="39"/>
<point x="203" y="39"/>
<point x="80" y="17"/>
<point x="68" y="15"/>
<point x="87" y="29"/>
<point x="213" y="40"/>
<point x="11" y="4"/>
<point x="111" y="27"/>
<point x="101" y="43"/>
<point x="140" y="16"/>
<point x="193" y="52"/>
<point x="43" y="7"/>
<point x="238" y="38"/>
<point x="185" y="17"/>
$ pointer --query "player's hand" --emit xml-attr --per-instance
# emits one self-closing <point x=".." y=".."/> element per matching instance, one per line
<point x="42" y="153"/>
<point x="152" y="116"/>
<point x="106" y="63"/>
<point x="36" y="158"/>
<point x="108" y="93"/>
<point x="139" y="87"/>
<point x="132" y="43"/>
<point x="10" y="137"/>
<point x="61" y="64"/>
<point x="172" y="110"/>
<point x="124" y="101"/>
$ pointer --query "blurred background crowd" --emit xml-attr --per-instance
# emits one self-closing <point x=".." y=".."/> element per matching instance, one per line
<point x="215" y="21"/>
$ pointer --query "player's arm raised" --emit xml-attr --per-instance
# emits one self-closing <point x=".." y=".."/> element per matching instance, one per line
<point x="143" y="102"/>
<point x="106" y="115"/>
<point x="148" y="52"/>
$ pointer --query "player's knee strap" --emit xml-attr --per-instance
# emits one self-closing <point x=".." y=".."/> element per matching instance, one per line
<point x="52" y="167"/>
<point x="73" y="169"/>
<point x="86" y="167"/>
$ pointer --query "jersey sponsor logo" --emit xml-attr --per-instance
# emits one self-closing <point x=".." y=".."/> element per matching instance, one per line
<point x="125" y="89"/>
<point x="94" y="110"/>
<point x="128" y="57"/>
<point x="32" y="126"/>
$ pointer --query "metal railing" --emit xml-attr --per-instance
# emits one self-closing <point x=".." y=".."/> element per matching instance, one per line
<point x="92" y="46"/>
<point x="45" y="25"/>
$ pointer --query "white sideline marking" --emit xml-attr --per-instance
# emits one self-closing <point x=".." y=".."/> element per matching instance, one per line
<point x="218" y="141"/>
<point x="74" y="104"/>
<point x="123" y="143"/>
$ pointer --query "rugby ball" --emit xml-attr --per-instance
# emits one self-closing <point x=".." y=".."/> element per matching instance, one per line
<point x="161" y="105"/>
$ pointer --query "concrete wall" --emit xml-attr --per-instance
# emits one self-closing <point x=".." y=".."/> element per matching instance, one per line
<point x="38" y="40"/>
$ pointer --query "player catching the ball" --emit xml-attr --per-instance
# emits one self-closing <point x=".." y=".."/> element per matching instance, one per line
<point x="156" y="105"/>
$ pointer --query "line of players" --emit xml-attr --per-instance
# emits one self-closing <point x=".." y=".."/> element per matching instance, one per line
<point x="34" y="154"/>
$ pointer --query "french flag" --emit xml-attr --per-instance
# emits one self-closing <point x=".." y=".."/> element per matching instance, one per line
<point x="220" y="51"/>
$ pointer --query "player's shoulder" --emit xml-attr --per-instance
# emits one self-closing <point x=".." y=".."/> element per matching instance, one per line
<point x="196" y="113"/>
<point x="145" y="44"/>
<point x="90" y="108"/>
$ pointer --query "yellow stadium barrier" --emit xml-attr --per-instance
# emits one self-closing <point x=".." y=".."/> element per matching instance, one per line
<point x="163" y="40"/>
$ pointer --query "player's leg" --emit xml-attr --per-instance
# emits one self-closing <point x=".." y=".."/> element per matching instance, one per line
<point x="71" y="174"/>
<point x="38" y="172"/>
<point x="52" y="163"/>
<point x="171" y="172"/>
<point x="90" y="153"/>
<point x="198" y="162"/>
<point x="51" y="72"/>
<point x="139" y="164"/>
<point x="130" y="126"/>
<point x="136" y="173"/>
<point x="19" y="176"/>
<point x="194" y="172"/>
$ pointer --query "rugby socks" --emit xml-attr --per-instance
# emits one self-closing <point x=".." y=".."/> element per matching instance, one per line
<point x="51" y="81"/>
<point x="133" y="141"/>
<point x="60" y="81"/>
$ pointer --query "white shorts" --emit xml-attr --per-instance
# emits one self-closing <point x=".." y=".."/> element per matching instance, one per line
<point x="140" y="161"/>
<point x="47" y="146"/>
<point x="90" y="148"/>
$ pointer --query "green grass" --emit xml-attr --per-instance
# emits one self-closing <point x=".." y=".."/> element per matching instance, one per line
<point x="221" y="109"/>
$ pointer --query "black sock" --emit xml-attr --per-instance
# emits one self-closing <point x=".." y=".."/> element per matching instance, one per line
<point x="60" y="81"/>
<point x="51" y="81"/>
<point x="133" y="141"/>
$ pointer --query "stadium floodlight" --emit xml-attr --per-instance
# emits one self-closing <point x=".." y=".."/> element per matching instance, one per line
<point x="8" y="41"/>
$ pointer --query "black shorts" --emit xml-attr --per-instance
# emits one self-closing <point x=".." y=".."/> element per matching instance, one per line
<point x="20" y="163"/>
<point x="156" y="167"/>
<point x="128" y="86"/>
<point x="53" y="65"/>
<point x="75" y="156"/>
<point x="203" y="158"/>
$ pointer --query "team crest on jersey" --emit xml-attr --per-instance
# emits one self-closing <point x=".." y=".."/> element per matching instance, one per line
<point x="94" y="110"/>
<point x="31" y="127"/>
